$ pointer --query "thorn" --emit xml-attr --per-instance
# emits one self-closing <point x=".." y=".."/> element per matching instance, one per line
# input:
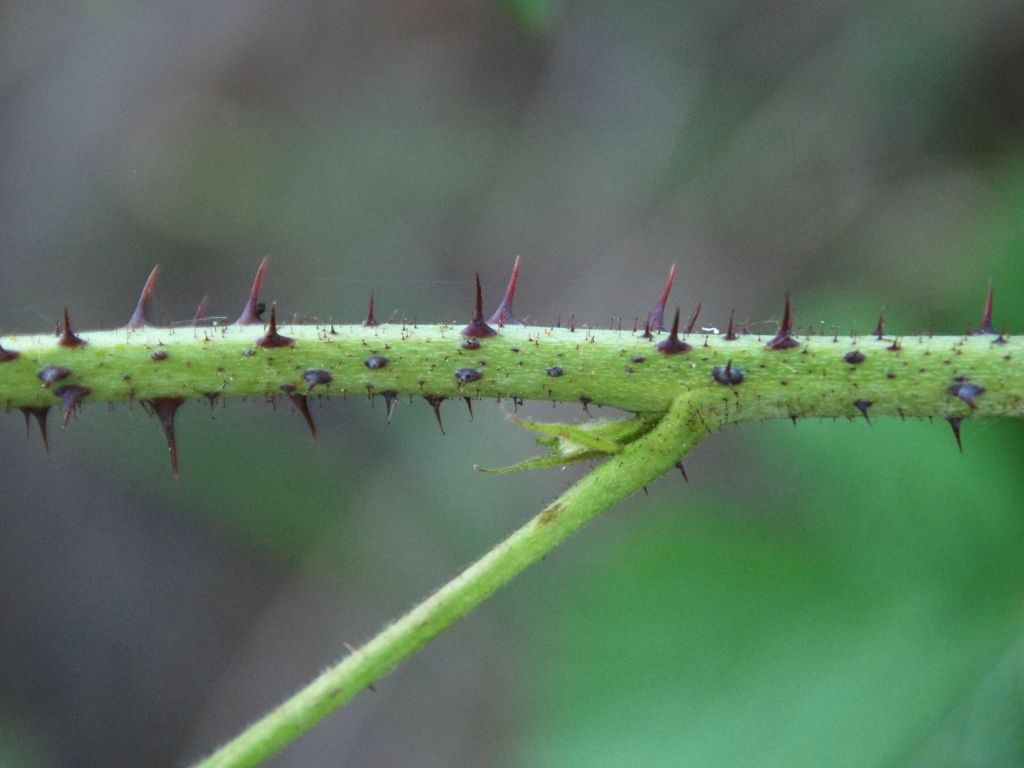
<point x="862" y="406"/>
<point x="389" y="400"/>
<point x="783" y="339"/>
<point x="986" y="317"/>
<point x="370" y="322"/>
<point x="656" y="322"/>
<point x="586" y="401"/>
<point x="302" y="403"/>
<point x="726" y="374"/>
<point x="647" y="330"/>
<point x="165" y="408"/>
<point x="6" y="355"/>
<point x="253" y="312"/>
<point x="40" y="413"/>
<point x="679" y="466"/>
<point x="272" y="338"/>
<point x="212" y="397"/>
<point x="503" y="315"/>
<point x="51" y="374"/>
<point x="792" y="417"/>
<point x="967" y="392"/>
<point x="477" y="328"/>
<point x="693" y="319"/>
<point x="315" y="377"/>
<point x="138" y="319"/>
<point x="68" y="338"/>
<point x="71" y="394"/>
<point x="200" y="312"/>
<point x="881" y="324"/>
<point x="672" y="345"/>
<point x="954" y="422"/>
<point x="730" y="335"/>
<point x="469" y="404"/>
<point x="435" y="403"/>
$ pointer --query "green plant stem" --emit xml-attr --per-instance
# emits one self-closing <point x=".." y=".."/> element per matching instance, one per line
<point x="638" y="464"/>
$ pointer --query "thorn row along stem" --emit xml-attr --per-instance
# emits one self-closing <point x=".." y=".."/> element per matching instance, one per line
<point x="944" y="376"/>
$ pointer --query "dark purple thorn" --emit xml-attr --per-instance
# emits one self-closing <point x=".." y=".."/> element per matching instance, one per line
<point x="139" y="319"/>
<point x="954" y="422"/>
<point x="199" y="313"/>
<point x="71" y="394"/>
<point x="253" y="314"/>
<point x="555" y="372"/>
<point x="375" y="362"/>
<point x="158" y="354"/>
<point x="470" y="344"/>
<point x="856" y="357"/>
<point x="477" y="328"/>
<point x="6" y="355"/>
<point x="503" y="315"/>
<point x="40" y="414"/>
<point x="783" y="339"/>
<point x="68" y="338"/>
<point x="302" y="403"/>
<point x="315" y="377"/>
<point x="468" y="375"/>
<point x="672" y="345"/>
<point x="986" y="317"/>
<point x="212" y="397"/>
<point x="51" y="374"/>
<point x="647" y="330"/>
<point x="730" y="335"/>
<point x="693" y="319"/>
<point x="469" y="404"/>
<point x="586" y="401"/>
<point x="862" y="406"/>
<point x="272" y="338"/>
<point x="370" y="322"/>
<point x="435" y="403"/>
<point x="389" y="400"/>
<point x="727" y="375"/>
<point x="656" y="320"/>
<point x="881" y="324"/>
<point x="967" y="392"/>
<point x="165" y="408"/>
<point x="679" y="466"/>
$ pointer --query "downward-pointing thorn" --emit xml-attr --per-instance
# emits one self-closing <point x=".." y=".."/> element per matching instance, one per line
<point x="693" y="319"/>
<point x="783" y="339"/>
<point x="954" y="422"/>
<point x="477" y="328"/>
<point x="71" y="394"/>
<point x="370" y="322"/>
<point x="469" y="404"/>
<point x="657" y="319"/>
<point x="503" y="315"/>
<point x="672" y="345"/>
<point x="139" y="319"/>
<point x="862" y="406"/>
<point x="68" y="338"/>
<point x="165" y="409"/>
<point x="986" y="317"/>
<point x="40" y="413"/>
<point x="679" y="466"/>
<point x="435" y="403"/>
<point x="390" y="397"/>
<point x="253" y="312"/>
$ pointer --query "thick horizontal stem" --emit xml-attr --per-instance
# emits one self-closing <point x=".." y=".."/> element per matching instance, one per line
<point x="823" y="376"/>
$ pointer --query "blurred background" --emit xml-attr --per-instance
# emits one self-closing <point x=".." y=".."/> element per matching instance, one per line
<point x="829" y="594"/>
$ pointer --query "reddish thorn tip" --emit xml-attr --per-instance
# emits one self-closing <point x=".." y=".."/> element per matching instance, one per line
<point x="272" y="338"/>
<point x="656" y="322"/>
<point x="139" y="319"/>
<point x="370" y="322"/>
<point x="435" y="403"/>
<point x="165" y="408"/>
<point x="986" y="317"/>
<point x="693" y="319"/>
<point x="503" y="315"/>
<point x="68" y="338"/>
<point x="253" y="312"/>
<point x="672" y="345"/>
<point x="477" y="328"/>
<point x="783" y="339"/>
<point x="200" y="313"/>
